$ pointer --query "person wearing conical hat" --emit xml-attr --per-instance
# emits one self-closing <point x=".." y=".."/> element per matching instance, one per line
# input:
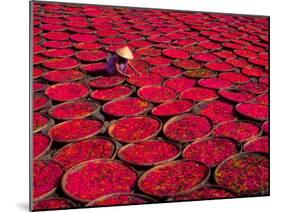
<point x="118" y="62"/>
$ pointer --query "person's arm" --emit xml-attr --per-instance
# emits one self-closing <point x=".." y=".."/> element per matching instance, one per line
<point x="117" y="66"/>
<point x="121" y="68"/>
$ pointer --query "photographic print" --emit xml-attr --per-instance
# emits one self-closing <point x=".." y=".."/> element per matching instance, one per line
<point x="136" y="105"/>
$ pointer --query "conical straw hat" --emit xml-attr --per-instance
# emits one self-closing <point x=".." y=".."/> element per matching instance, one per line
<point x="125" y="52"/>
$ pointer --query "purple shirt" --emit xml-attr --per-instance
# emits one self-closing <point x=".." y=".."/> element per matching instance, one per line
<point x="111" y="65"/>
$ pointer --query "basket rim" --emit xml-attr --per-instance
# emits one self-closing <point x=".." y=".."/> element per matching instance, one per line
<point x="54" y="198"/>
<point x="142" y="196"/>
<point x="205" y="186"/>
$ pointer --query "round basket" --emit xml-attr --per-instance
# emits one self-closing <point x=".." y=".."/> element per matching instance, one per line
<point x="65" y="107"/>
<point x="129" y="140"/>
<point x="43" y="151"/>
<point x="46" y="124"/>
<point x="116" y="146"/>
<point x="101" y="191"/>
<point x="91" y="55"/>
<point x="105" y="81"/>
<point x="61" y="96"/>
<point x="254" y="111"/>
<point x="72" y="127"/>
<point x="199" y="94"/>
<point x="217" y="110"/>
<point x="189" y="104"/>
<point x="200" y="73"/>
<point x="259" y="144"/>
<point x="236" y="149"/>
<point x="241" y="189"/>
<point x="238" y="96"/>
<point x="61" y="63"/>
<point x="157" y="169"/>
<point x="39" y="85"/>
<point x="99" y="94"/>
<point x="50" y="76"/>
<point x="126" y="102"/>
<point x="128" y="146"/>
<point x="145" y="79"/>
<point x="228" y="131"/>
<point x="46" y="103"/>
<point x="41" y="167"/>
<point x="172" y="92"/>
<point x="179" y="117"/>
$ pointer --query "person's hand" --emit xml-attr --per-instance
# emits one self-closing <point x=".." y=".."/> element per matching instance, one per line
<point x="117" y="66"/>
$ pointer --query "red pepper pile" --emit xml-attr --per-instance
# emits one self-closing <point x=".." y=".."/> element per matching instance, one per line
<point x="173" y="178"/>
<point x="126" y="107"/>
<point x="194" y="96"/>
<point x="149" y="152"/>
<point x="239" y="173"/>
<point x="90" y="149"/>
<point x="73" y="110"/>
<point x="96" y="178"/>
